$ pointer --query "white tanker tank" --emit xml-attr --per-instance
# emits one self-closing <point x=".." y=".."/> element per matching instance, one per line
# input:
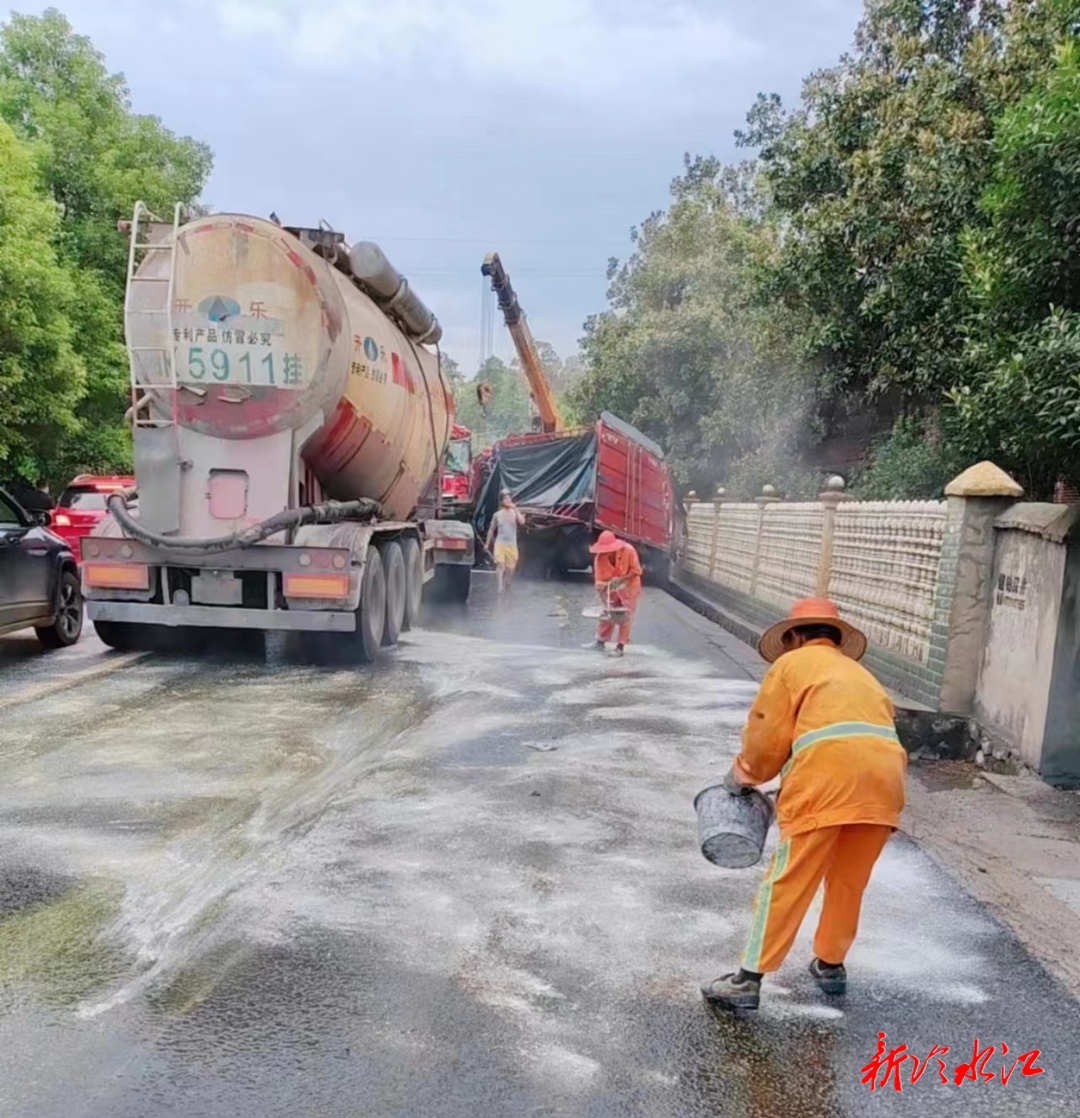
<point x="288" y="408"/>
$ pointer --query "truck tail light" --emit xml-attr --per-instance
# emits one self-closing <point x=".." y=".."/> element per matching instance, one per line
<point x="63" y="520"/>
<point x="451" y="544"/>
<point x="316" y="586"/>
<point x="117" y="576"/>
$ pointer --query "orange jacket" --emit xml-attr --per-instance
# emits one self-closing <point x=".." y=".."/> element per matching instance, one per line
<point x="824" y="723"/>
<point x="623" y="563"/>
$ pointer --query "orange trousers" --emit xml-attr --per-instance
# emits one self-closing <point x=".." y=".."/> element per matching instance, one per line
<point x="605" y="630"/>
<point x="844" y="857"/>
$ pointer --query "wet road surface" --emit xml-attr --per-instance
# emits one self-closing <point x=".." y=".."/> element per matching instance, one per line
<point x="464" y="883"/>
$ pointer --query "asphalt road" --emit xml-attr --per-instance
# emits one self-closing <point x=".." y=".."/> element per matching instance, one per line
<point x="464" y="884"/>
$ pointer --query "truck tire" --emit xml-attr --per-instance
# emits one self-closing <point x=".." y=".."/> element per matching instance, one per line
<point x="394" y="571"/>
<point x="657" y="568"/>
<point x="460" y="583"/>
<point x="414" y="582"/>
<point x="371" y="612"/>
<point x="452" y="583"/>
<point x="121" y="635"/>
<point x="126" y="636"/>
<point x="68" y="623"/>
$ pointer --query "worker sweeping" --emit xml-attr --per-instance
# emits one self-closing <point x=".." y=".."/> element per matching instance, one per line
<point x="504" y="532"/>
<point x="825" y="724"/>
<point x="617" y="574"/>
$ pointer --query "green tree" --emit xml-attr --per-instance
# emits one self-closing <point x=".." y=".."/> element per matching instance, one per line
<point x="685" y="352"/>
<point x="41" y="375"/>
<point x="876" y="174"/>
<point x="96" y="158"/>
<point x="1020" y="396"/>
<point x="507" y="413"/>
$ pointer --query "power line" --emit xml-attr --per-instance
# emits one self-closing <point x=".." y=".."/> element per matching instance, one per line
<point x="517" y="272"/>
<point x="498" y="240"/>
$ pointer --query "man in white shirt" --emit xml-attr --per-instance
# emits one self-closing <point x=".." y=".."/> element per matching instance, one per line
<point x="503" y="531"/>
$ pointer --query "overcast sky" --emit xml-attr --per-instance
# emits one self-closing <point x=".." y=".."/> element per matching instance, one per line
<point x="444" y="129"/>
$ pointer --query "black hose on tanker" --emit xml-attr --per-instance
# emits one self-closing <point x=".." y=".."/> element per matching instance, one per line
<point x="333" y="512"/>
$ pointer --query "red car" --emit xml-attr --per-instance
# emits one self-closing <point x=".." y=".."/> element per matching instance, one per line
<point x="82" y="504"/>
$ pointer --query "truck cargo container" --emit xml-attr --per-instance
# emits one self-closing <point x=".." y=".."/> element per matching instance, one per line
<point x="574" y="484"/>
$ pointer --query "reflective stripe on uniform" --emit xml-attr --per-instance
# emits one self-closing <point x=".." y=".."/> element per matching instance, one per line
<point x="838" y="730"/>
<point x="752" y="954"/>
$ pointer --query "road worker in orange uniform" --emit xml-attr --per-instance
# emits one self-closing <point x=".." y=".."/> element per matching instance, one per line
<point x="617" y="574"/>
<point x="824" y="724"/>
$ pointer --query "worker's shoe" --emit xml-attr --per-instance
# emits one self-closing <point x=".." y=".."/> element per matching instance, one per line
<point x="731" y="993"/>
<point x="597" y="646"/>
<point x="618" y="650"/>
<point x="832" y="980"/>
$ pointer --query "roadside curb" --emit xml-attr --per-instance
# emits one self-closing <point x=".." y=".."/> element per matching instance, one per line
<point x="960" y="836"/>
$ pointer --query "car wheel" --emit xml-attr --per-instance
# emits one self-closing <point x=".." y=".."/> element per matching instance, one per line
<point x="67" y="628"/>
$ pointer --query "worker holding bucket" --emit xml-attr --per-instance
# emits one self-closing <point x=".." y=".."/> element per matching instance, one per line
<point x="617" y="573"/>
<point x="824" y="724"/>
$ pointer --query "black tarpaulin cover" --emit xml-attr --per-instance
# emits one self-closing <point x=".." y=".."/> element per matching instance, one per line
<point x="554" y="473"/>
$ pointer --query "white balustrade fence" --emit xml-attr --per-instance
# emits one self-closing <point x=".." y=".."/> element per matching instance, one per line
<point x="880" y="567"/>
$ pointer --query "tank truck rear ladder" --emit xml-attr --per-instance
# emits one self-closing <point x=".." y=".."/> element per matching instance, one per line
<point x="148" y="316"/>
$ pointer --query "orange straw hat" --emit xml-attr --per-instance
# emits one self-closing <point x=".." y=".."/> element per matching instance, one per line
<point x="811" y="611"/>
<point x="607" y="543"/>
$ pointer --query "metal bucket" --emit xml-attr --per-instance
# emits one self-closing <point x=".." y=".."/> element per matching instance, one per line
<point x="732" y="829"/>
<point x="606" y="609"/>
<point x="606" y="613"/>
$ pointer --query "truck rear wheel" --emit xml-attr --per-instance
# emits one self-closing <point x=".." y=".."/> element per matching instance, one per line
<point x="181" y="640"/>
<point x="371" y="612"/>
<point x="452" y="582"/>
<point x="394" y="570"/>
<point x="117" y="634"/>
<point x="414" y="582"/>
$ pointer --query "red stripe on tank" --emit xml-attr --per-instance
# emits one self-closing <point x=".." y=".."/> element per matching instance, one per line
<point x="340" y="443"/>
<point x="401" y="374"/>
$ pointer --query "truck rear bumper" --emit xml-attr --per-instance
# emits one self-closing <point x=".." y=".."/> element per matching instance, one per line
<point x="224" y="617"/>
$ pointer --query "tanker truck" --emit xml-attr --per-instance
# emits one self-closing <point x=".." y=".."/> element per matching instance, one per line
<point x="289" y="420"/>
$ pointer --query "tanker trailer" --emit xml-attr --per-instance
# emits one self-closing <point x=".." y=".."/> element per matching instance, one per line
<point x="289" y="419"/>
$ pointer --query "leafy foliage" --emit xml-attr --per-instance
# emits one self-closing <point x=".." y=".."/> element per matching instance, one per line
<point x="916" y="458"/>
<point x="685" y="352"/>
<point x="1021" y="390"/>
<point x="902" y="251"/>
<point x="509" y="412"/>
<point x="94" y="158"/>
<point x="41" y="375"/>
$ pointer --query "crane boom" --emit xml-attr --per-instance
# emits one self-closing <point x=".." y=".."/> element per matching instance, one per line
<point x="514" y="316"/>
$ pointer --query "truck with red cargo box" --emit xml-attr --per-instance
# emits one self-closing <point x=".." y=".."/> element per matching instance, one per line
<point x="290" y="419"/>
<point x="574" y="484"/>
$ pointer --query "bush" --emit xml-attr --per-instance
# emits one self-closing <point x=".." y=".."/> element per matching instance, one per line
<point x="915" y="461"/>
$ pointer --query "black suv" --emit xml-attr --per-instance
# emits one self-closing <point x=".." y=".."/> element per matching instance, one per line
<point x="39" y="581"/>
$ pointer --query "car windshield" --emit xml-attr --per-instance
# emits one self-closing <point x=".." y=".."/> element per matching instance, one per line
<point x="84" y="500"/>
<point x="458" y="456"/>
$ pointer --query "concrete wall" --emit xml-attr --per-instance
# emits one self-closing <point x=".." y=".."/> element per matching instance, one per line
<point x="1014" y="679"/>
<point x="1061" y="745"/>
